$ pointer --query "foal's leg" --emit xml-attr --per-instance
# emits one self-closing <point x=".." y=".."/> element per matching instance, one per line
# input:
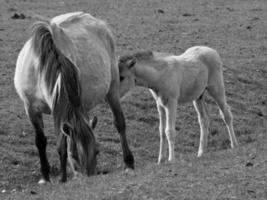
<point x="162" y="124"/>
<point x="171" y="109"/>
<point x="203" y="120"/>
<point x="40" y="141"/>
<point x="218" y="93"/>
<point x="62" y="150"/>
<point x="119" y="122"/>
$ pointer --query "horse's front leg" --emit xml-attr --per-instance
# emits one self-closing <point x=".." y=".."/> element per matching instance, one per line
<point x="162" y="124"/>
<point x="170" y="110"/>
<point x="62" y="151"/>
<point x="119" y="121"/>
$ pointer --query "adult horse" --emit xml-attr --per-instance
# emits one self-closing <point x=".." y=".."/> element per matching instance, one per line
<point x="66" y="68"/>
<point x="178" y="79"/>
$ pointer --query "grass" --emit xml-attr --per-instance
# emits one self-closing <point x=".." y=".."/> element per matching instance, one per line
<point x="236" y="29"/>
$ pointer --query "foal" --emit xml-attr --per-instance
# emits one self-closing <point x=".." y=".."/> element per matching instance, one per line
<point x="175" y="79"/>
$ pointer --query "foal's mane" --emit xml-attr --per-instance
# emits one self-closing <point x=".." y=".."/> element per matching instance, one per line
<point x="143" y="55"/>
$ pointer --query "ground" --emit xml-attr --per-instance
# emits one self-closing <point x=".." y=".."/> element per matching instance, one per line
<point x="236" y="29"/>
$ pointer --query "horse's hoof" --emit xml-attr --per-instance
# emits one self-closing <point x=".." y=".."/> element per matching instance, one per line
<point x="63" y="180"/>
<point x="129" y="171"/>
<point x="77" y="175"/>
<point x="42" y="181"/>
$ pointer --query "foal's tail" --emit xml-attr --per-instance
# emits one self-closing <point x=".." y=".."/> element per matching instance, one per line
<point x="49" y="41"/>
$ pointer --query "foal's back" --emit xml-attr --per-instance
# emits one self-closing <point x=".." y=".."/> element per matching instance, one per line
<point x="193" y="71"/>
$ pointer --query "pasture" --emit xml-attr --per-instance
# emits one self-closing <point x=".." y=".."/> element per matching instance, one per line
<point x="236" y="29"/>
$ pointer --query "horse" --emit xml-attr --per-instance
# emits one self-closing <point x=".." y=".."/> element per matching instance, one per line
<point x="66" y="68"/>
<point x="174" y="80"/>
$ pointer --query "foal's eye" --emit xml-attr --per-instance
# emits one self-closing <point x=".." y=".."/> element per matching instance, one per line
<point x="121" y="78"/>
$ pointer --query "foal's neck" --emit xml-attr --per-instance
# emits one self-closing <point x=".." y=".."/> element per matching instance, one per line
<point x="147" y="74"/>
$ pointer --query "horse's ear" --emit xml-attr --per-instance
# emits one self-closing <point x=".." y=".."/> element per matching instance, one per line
<point x="93" y="122"/>
<point x="66" y="129"/>
<point x="131" y="62"/>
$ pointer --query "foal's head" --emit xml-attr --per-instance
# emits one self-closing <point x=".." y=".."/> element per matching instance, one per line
<point x="127" y="78"/>
<point x="81" y="144"/>
<point x="127" y="65"/>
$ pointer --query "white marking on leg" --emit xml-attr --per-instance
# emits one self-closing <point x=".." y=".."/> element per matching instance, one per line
<point x="228" y="120"/>
<point x="170" y="110"/>
<point x="204" y="125"/>
<point x="162" y="121"/>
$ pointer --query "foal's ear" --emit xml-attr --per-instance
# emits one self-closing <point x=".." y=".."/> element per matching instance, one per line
<point x="131" y="62"/>
<point x="66" y="129"/>
<point x="93" y="122"/>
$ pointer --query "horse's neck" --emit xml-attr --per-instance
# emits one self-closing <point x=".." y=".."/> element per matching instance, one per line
<point x="146" y="75"/>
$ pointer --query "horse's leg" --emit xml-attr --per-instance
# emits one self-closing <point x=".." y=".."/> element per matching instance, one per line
<point x="162" y="124"/>
<point x="40" y="140"/>
<point x="218" y="94"/>
<point x="62" y="150"/>
<point x="119" y="122"/>
<point x="171" y="109"/>
<point x="203" y="120"/>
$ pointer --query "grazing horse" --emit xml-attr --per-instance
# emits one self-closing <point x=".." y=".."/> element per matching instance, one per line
<point x="178" y="79"/>
<point x="65" y="69"/>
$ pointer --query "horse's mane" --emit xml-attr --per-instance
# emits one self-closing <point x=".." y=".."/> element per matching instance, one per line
<point x="52" y="65"/>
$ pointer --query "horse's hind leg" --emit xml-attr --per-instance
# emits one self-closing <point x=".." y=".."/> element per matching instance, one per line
<point x="119" y="122"/>
<point x="40" y="140"/>
<point x="203" y="120"/>
<point x="218" y="94"/>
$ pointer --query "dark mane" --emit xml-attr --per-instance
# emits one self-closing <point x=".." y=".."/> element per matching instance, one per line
<point x="52" y="64"/>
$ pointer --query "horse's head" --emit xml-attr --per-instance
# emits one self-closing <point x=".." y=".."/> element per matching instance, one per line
<point x="127" y="77"/>
<point x="81" y="144"/>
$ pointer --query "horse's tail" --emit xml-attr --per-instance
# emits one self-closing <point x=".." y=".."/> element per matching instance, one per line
<point x="53" y="63"/>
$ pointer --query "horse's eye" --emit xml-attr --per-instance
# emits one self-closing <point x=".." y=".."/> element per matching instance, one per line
<point x="121" y="78"/>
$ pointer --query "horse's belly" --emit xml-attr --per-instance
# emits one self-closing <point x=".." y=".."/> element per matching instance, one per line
<point x="95" y="87"/>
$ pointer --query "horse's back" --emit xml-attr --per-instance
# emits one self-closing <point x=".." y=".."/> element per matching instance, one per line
<point x="93" y="53"/>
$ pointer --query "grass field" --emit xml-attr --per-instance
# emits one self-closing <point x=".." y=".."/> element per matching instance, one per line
<point x="237" y="29"/>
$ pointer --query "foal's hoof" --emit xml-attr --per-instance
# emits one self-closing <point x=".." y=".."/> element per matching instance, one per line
<point x="42" y="181"/>
<point x="234" y="145"/>
<point x="200" y="153"/>
<point x="160" y="161"/>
